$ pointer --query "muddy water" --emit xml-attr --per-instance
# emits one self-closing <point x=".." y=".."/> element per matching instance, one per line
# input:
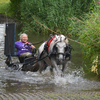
<point x="21" y="82"/>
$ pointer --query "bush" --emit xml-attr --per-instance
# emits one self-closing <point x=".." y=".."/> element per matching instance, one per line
<point x="4" y="6"/>
<point x="88" y="31"/>
<point x="15" y="8"/>
<point x="54" y="14"/>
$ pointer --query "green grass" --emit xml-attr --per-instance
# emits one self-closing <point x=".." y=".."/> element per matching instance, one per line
<point x="4" y="1"/>
<point x="4" y="6"/>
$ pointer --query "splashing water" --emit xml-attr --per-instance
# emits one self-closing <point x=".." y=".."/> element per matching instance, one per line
<point x="60" y="81"/>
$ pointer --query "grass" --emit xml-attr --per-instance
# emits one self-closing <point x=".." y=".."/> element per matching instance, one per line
<point x="4" y="6"/>
<point x="4" y="1"/>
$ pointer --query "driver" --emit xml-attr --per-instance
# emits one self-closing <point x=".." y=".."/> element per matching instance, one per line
<point x="24" y="47"/>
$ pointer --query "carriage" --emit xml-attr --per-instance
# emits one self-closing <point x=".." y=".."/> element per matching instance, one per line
<point x="10" y="52"/>
<point x="56" y="51"/>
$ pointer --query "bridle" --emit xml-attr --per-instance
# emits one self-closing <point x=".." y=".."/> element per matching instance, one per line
<point x="67" y="51"/>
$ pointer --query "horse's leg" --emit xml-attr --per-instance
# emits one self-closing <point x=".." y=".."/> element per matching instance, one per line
<point x="51" y="70"/>
<point x="54" y="64"/>
<point x="41" y="66"/>
<point x="48" y="62"/>
<point x="64" y="67"/>
<point x="35" y="67"/>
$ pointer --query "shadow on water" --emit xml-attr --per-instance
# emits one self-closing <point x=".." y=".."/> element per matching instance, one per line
<point x="18" y="81"/>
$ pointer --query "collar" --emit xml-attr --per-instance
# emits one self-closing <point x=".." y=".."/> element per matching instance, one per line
<point x="25" y="42"/>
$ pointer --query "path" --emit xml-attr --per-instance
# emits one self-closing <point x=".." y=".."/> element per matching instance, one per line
<point x="51" y="96"/>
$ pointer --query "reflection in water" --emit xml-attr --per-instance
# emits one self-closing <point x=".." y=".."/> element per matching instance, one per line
<point x="18" y="81"/>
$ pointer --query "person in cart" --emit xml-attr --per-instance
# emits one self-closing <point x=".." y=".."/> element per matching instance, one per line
<point x="24" y="47"/>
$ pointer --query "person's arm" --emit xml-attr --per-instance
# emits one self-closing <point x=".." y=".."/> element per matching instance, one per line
<point x="32" y="46"/>
<point x="4" y="34"/>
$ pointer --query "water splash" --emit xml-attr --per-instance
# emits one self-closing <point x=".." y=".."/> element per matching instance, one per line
<point x="60" y="81"/>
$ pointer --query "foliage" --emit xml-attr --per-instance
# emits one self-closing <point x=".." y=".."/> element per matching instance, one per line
<point x="95" y="66"/>
<point x="54" y="14"/>
<point x="88" y="31"/>
<point x="4" y="1"/>
<point x="4" y="6"/>
<point x="15" y="8"/>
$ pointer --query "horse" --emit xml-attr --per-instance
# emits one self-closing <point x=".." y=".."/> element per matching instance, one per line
<point x="58" y="53"/>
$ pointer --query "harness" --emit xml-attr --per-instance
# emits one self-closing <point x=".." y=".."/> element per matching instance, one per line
<point x="66" y="54"/>
<point x="46" y="47"/>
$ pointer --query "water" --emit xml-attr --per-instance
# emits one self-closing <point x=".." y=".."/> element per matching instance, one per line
<point x="19" y="81"/>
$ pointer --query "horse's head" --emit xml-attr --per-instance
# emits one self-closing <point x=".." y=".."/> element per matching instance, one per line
<point x="60" y="46"/>
<point x="61" y="49"/>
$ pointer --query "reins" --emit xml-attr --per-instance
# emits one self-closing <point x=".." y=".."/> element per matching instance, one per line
<point x="38" y="42"/>
<point x="32" y="62"/>
<point x="37" y="60"/>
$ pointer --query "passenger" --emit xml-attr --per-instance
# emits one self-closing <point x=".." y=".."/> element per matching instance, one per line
<point x="24" y="47"/>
